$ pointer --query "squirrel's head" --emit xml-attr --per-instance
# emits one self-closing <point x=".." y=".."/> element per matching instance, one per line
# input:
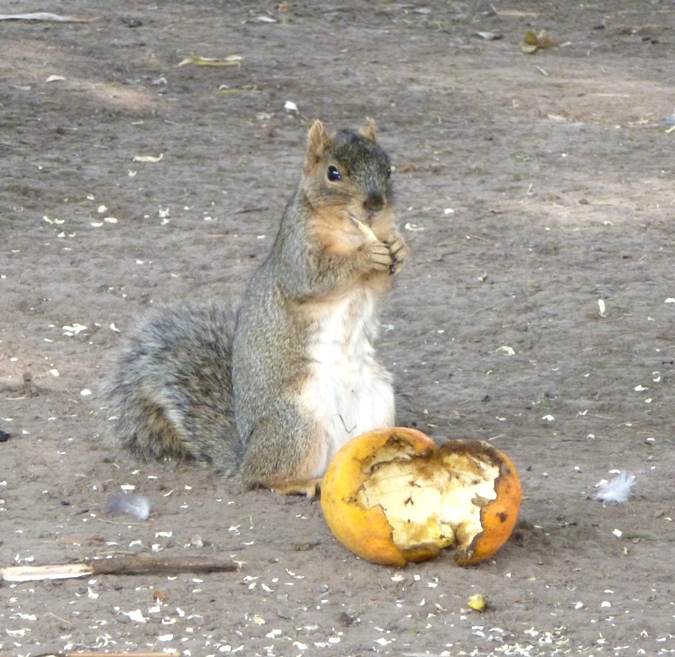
<point x="348" y="169"/>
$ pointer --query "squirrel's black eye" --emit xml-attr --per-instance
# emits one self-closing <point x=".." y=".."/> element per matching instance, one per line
<point x="333" y="174"/>
<point x="389" y="172"/>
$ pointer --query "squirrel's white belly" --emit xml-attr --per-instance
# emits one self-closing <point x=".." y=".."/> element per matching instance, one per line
<point x="347" y="391"/>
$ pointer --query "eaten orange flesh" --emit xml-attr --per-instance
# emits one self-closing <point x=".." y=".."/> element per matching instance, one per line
<point x="391" y="496"/>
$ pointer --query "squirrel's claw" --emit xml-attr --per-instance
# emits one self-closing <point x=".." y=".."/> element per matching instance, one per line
<point x="399" y="251"/>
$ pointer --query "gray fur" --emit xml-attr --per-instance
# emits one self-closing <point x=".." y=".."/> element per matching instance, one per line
<point x="171" y="389"/>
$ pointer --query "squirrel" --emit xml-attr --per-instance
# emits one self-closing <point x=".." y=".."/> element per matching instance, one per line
<point x="269" y="392"/>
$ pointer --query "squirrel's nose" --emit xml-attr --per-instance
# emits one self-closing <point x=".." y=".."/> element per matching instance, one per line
<point x="374" y="202"/>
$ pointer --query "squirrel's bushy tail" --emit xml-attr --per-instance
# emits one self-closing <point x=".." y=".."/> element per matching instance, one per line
<point x="170" y="393"/>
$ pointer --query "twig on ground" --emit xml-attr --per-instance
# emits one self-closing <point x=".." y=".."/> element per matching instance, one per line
<point x="126" y="565"/>
<point x="44" y="16"/>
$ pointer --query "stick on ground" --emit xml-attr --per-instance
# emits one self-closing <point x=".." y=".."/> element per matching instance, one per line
<point x="128" y="565"/>
<point x="100" y="654"/>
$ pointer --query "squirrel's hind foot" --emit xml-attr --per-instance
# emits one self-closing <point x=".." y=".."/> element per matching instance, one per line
<point x="307" y="487"/>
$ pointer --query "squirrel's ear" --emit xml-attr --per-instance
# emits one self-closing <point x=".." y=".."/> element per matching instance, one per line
<point x="317" y="143"/>
<point x="369" y="131"/>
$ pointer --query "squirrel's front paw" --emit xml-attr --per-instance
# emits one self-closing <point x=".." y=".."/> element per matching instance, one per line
<point x="398" y="250"/>
<point x="379" y="256"/>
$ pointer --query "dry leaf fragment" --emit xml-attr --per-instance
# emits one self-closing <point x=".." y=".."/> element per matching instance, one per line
<point x="148" y="158"/>
<point x="545" y="41"/>
<point x="529" y="43"/>
<point x="230" y="60"/>
<point x="55" y="78"/>
<point x="532" y="42"/>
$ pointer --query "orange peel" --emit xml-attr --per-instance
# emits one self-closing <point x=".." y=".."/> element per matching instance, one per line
<point x="392" y="496"/>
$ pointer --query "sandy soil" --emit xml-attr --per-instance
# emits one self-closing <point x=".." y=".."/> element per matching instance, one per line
<point x="530" y="188"/>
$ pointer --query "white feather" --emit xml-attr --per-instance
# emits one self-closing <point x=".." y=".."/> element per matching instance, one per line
<point x="131" y="503"/>
<point x="617" y="490"/>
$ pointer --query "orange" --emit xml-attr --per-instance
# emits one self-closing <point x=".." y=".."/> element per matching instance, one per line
<point x="391" y="496"/>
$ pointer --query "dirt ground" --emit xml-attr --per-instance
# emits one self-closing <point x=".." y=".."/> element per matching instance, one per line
<point x="530" y="187"/>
